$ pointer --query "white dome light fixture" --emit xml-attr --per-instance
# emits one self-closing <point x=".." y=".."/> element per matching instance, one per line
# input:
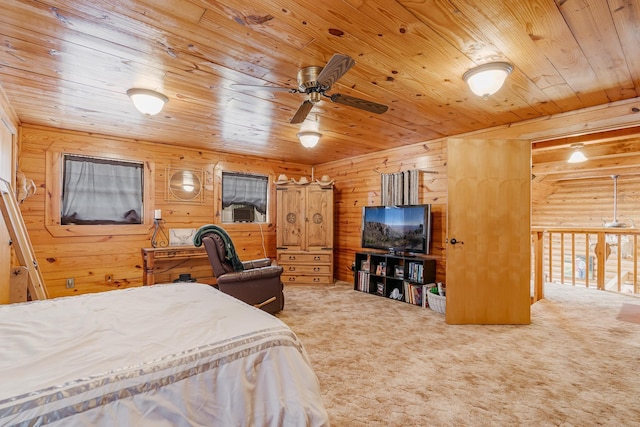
<point x="577" y="156"/>
<point x="309" y="139"/>
<point x="148" y="102"/>
<point x="486" y="79"/>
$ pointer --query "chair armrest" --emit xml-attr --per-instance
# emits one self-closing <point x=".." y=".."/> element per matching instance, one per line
<point x="253" y="274"/>
<point x="256" y="263"/>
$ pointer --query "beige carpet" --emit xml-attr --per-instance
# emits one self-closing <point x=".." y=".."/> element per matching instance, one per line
<point x="385" y="363"/>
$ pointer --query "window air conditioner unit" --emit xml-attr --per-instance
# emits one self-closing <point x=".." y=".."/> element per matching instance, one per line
<point x="244" y="214"/>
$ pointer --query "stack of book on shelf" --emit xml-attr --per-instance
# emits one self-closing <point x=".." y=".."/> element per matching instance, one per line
<point x="363" y="276"/>
<point x="415" y="272"/>
<point x="363" y="281"/>
<point x="416" y="294"/>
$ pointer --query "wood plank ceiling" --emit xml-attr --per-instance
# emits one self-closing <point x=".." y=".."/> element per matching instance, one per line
<point x="69" y="63"/>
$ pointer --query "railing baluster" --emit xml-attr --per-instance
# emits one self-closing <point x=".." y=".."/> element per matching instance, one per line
<point x="551" y="257"/>
<point x="573" y="259"/>
<point x="596" y="268"/>
<point x="588" y="260"/>
<point x="635" y="264"/>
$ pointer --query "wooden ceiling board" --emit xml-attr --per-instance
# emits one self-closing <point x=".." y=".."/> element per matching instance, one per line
<point x="69" y="63"/>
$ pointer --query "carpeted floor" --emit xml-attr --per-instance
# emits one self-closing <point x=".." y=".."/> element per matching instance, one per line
<point x="386" y="363"/>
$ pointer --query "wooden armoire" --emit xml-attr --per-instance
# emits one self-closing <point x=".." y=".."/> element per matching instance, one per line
<point x="304" y="234"/>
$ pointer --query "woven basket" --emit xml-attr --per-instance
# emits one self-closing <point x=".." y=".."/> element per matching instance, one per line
<point x="436" y="302"/>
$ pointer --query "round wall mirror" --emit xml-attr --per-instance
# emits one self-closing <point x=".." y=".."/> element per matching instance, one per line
<point x="185" y="185"/>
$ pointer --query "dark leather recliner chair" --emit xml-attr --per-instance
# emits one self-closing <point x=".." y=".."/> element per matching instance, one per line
<point x="258" y="284"/>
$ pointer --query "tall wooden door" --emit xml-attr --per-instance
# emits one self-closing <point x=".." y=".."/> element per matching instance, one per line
<point x="488" y="232"/>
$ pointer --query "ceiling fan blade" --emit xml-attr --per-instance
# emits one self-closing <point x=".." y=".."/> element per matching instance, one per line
<point x="302" y="112"/>
<point x="337" y="66"/>
<point x="264" y="88"/>
<point x="362" y="104"/>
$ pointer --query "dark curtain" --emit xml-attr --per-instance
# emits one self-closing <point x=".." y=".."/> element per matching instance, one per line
<point x="101" y="191"/>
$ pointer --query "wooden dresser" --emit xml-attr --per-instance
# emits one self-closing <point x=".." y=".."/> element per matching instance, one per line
<point x="304" y="234"/>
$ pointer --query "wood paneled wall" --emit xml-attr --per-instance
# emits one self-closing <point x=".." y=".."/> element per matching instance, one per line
<point x="559" y="203"/>
<point x="358" y="183"/>
<point x="88" y="259"/>
<point x="588" y="202"/>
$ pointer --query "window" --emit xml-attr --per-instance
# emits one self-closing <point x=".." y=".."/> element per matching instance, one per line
<point x="83" y="225"/>
<point x="244" y="197"/>
<point x="101" y="191"/>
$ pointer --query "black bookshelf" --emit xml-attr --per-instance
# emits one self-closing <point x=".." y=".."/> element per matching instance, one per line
<point x="403" y="278"/>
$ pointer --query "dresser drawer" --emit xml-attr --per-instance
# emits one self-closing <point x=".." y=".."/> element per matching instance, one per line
<point x="285" y="258"/>
<point x="300" y="279"/>
<point x="306" y="269"/>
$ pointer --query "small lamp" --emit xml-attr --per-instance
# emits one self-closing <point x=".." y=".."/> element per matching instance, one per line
<point x="577" y="156"/>
<point x="309" y="139"/>
<point x="487" y="79"/>
<point x="148" y="102"/>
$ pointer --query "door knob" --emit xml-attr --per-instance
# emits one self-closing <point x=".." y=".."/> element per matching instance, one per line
<point x="454" y="241"/>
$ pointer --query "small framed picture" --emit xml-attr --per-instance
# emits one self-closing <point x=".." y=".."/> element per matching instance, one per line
<point x="181" y="236"/>
<point x="364" y="266"/>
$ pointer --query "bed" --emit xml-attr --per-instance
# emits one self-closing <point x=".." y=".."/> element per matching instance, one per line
<point x="179" y="354"/>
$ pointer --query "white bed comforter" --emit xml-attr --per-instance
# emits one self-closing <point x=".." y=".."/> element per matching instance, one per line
<point x="165" y="355"/>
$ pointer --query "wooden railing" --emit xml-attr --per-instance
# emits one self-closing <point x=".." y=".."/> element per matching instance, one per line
<point x="604" y="258"/>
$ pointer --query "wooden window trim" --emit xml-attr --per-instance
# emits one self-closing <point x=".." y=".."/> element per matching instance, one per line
<point x="53" y="197"/>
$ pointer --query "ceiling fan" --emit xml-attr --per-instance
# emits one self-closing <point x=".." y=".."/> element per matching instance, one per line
<point x="315" y="81"/>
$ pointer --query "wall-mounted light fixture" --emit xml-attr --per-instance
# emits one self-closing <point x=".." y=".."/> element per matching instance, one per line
<point x="309" y="139"/>
<point x="577" y="156"/>
<point x="486" y="79"/>
<point x="148" y="102"/>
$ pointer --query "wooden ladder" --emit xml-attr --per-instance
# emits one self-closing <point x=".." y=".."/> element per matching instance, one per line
<point x="20" y="241"/>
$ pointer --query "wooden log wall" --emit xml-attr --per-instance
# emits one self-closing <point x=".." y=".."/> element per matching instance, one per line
<point x="358" y="182"/>
<point x="588" y="202"/>
<point x="88" y="259"/>
<point x="583" y="195"/>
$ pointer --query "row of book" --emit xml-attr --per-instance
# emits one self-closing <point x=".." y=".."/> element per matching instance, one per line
<point x="363" y="281"/>
<point x="416" y="294"/>
<point x="416" y="272"/>
<point x="412" y="293"/>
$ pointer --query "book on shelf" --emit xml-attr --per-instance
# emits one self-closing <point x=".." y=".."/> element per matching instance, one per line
<point x="416" y="271"/>
<point x="363" y="281"/>
<point x="380" y="289"/>
<point x="415" y="293"/>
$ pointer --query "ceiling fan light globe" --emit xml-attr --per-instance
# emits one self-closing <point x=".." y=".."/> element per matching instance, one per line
<point x="309" y="139"/>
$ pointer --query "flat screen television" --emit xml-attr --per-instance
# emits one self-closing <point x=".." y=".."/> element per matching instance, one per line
<point x="397" y="228"/>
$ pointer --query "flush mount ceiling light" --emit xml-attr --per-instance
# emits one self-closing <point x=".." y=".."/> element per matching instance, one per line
<point x="485" y="80"/>
<point x="577" y="156"/>
<point x="309" y="139"/>
<point x="148" y="102"/>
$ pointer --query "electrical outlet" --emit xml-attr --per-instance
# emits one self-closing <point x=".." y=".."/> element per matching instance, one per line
<point x="71" y="283"/>
<point x="108" y="277"/>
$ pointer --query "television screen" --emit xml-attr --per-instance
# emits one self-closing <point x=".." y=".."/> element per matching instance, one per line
<point x="397" y="228"/>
